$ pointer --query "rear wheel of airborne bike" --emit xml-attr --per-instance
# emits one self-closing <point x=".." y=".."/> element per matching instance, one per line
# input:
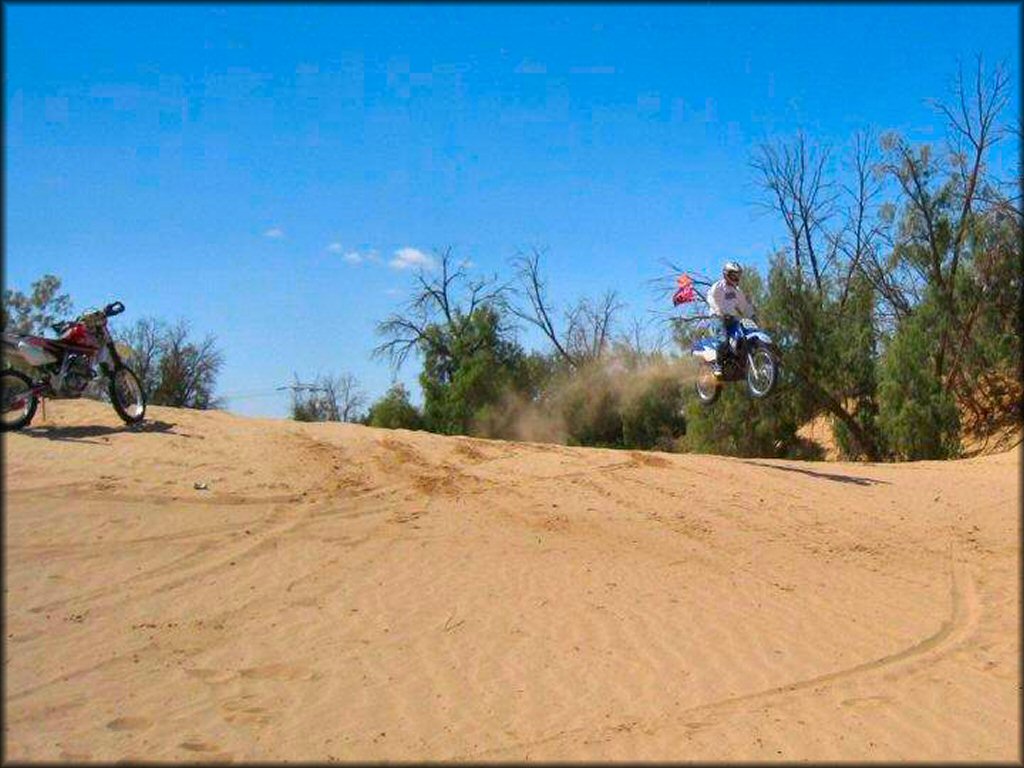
<point x="126" y="395"/>
<point x="707" y="385"/>
<point x="18" y="401"/>
<point x="762" y="371"/>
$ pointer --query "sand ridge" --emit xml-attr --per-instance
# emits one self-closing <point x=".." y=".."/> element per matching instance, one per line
<point x="343" y="593"/>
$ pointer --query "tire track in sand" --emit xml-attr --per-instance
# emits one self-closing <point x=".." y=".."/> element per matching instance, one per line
<point x="962" y="621"/>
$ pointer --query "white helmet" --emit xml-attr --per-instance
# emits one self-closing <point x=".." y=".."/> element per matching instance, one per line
<point x="732" y="272"/>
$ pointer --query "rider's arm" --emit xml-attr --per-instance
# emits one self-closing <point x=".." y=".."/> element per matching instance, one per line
<point x="748" y="307"/>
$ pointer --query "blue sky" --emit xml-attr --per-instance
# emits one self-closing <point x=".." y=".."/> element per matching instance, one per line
<point x="269" y="173"/>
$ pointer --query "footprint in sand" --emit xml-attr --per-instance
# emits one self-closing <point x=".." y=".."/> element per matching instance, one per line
<point x="276" y="672"/>
<point x="211" y="675"/>
<point x="865" y="701"/>
<point x="198" y="746"/>
<point x="241" y="711"/>
<point x="128" y="724"/>
<point x="697" y="725"/>
<point x="243" y="703"/>
<point x="211" y="752"/>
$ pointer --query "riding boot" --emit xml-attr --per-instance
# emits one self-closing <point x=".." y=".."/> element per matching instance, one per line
<point x="720" y="353"/>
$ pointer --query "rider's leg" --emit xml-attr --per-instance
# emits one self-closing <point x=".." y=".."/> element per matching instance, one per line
<point x="732" y="332"/>
<point x="723" y="347"/>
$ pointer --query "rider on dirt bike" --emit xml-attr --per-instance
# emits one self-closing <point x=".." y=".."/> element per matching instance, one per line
<point x="728" y="302"/>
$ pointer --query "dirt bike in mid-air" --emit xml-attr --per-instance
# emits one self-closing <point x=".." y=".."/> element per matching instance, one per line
<point x="752" y="355"/>
<point x="84" y="354"/>
<point x="754" y="358"/>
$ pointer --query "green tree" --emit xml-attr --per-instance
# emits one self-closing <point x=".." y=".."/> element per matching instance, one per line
<point x="823" y="318"/>
<point x="460" y="329"/>
<point x="394" y="410"/>
<point x="956" y="260"/>
<point x="37" y="311"/>
<point x="985" y="368"/>
<point x="957" y="237"/>
<point x="856" y="344"/>
<point x="736" y="425"/>
<point x="917" y="414"/>
<point x="187" y="369"/>
<point x="174" y="368"/>
<point x="468" y="365"/>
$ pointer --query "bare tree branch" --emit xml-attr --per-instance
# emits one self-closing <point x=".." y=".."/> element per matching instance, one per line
<point x="528" y="270"/>
<point x="990" y="98"/>
<point x="587" y="326"/>
<point x="435" y="305"/>
<point x="793" y="178"/>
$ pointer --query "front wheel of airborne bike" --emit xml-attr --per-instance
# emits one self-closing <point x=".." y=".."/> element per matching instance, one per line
<point x="762" y="371"/>
<point x="126" y="395"/>
<point x="18" y="400"/>
<point x="707" y="385"/>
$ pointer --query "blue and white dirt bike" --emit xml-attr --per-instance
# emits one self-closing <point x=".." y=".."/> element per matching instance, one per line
<point x="754" y="358"/>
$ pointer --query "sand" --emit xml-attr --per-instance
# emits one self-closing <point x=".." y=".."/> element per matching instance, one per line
<point x="343" y="593"/>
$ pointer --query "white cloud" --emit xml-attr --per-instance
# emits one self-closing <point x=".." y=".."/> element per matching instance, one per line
<point x="274" y="233"/>
<point x="405" y="258"/>
<point x="352" y="256"/>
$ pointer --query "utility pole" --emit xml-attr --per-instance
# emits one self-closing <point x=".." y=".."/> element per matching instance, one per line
<point x="299" y="387"/>
<point x="320" y="400"/>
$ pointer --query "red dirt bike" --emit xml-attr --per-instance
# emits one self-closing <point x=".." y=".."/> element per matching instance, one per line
<point x="84" y="354"/>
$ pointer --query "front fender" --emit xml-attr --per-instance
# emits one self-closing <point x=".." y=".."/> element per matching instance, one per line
<point x="762" y="337"/>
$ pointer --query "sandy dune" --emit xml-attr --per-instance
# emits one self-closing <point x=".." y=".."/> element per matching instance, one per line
<point x="339" y="592"/>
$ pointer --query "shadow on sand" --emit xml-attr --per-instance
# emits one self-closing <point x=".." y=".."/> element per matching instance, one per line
<point x="82" y="434"/>
<point x="824" y="475"/>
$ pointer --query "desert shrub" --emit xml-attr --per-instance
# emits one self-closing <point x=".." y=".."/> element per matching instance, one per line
<point x="653" y="416"/>
<point x="328" y="398"/>
<point x="590" y="406"/>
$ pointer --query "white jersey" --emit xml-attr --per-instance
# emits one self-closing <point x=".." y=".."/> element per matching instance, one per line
<point x="725" y="299"/>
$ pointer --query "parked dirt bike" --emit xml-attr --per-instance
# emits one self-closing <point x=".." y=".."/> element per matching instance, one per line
<point x="755" y="358"/>
<point x="65" y="367"/>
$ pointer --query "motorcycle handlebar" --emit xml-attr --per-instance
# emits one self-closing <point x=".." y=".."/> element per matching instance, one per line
<point x="714" y="317"/>
<point x="691" y="318"/>
<point x="112" y="309"/>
